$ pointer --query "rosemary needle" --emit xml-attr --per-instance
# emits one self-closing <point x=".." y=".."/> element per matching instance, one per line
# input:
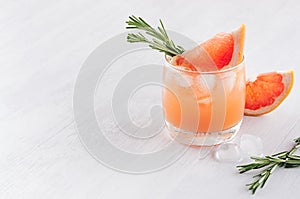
<point x="160" y="40"/>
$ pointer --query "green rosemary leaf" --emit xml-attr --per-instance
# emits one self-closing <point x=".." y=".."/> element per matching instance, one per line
<point x="284" y="159"/>
<point x="159" y="38"/>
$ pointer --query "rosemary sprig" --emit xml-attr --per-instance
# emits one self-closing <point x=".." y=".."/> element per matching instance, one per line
<point x="285" y="159"/>
<point x="160" y="40"/>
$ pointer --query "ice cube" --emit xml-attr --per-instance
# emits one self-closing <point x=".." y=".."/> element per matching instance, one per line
<point x="204" y="100"/>
<point x="172" y="77"/>
<point x="228" y="80"/>
<point x="208" y="82"/>
<point x="205" y="151"/>
<point x="228" y="152"/>
<point x="251" y="145"/>
<point x="179" y="78"/>
<point x="184" y="80"/>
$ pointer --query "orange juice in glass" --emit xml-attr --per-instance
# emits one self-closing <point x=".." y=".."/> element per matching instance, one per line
<point x="203" y="108"/>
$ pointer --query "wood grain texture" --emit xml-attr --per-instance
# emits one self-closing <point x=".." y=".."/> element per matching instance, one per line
<point x="42" y="47"/>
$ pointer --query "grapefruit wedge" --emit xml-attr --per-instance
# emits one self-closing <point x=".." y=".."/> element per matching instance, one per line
<point x="221" y="51"/>
<point x="266" y="91"/>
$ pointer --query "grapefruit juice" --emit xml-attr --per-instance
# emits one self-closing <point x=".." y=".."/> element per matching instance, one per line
<point x="203" y="108"/>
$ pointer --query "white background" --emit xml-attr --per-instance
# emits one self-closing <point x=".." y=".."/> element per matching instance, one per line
<point x="42" y="47"/>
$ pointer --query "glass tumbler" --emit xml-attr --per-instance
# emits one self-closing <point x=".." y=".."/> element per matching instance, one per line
<point x="203" y="108"/>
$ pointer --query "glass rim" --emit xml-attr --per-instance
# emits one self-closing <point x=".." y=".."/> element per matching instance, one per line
<point x="178" y="68"/>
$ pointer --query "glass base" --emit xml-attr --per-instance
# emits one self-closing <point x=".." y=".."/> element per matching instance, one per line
<point x="202" y="138"/>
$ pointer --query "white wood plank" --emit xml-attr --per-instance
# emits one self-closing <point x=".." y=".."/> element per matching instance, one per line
<point x="42" y="47"/>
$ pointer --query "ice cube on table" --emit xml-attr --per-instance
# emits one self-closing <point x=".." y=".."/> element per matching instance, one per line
<point x="228" y="152"/>
<point x="205" y="151"/>
<point x="251" y="145"/>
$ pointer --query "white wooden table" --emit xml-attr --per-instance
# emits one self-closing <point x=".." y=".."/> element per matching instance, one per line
<point x="43" y="45"/>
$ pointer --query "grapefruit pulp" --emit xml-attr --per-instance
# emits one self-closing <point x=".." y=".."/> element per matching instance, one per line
<point x="221" y="51"/>
<point x="267" y="91"/>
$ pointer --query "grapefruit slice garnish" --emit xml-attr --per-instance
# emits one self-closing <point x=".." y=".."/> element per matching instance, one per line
<point x="266" y="91"/>
<point x="223" y="50"/>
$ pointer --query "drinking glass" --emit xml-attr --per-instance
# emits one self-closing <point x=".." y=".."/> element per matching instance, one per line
<point x="203" y="108"/>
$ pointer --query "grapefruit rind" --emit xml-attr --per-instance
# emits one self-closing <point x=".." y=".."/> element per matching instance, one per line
<point x="239" y="42"/>
<point x="288" y="81"/>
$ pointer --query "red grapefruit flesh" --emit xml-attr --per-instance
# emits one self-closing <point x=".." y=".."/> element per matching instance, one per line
<point x="220" y="49"/>
<point x="223" y="50"/>
<point x="267" y="92"/>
